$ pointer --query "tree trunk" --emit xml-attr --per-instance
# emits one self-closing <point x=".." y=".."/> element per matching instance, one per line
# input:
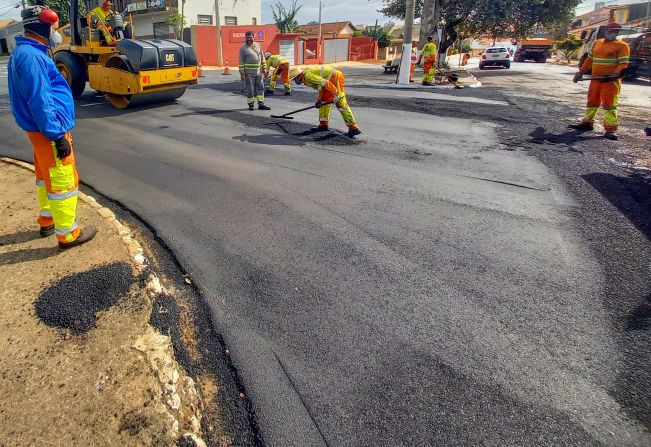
<point x="426" y="22"/>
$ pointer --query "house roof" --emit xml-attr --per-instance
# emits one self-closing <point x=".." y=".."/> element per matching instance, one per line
<point x="326" y="28"/>
<point x="6" y="22"/>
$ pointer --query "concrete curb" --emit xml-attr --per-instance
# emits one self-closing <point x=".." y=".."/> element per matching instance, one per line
<point x="153" y="285"/>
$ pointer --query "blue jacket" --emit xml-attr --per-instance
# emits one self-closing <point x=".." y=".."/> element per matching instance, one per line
<point x="40" y="97"/>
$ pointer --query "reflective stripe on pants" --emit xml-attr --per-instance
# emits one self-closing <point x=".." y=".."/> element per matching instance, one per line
<point x="342" y="104"/>
<point x="606" y="95"/>
<point x="428" y="69"/>
<point x="283" y="72"/>
<point x="254" y="88"/>
<point x="56" y="186"/>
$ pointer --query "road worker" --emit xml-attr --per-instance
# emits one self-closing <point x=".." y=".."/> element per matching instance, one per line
<point x="607" y="58"/>
<point x="330" y="84"/>
<point x="252" y="70"/>
<point x="414" y="59"/>
<point x="42" y="105"/>
<point x="429" y="54"/>
<point x="100" y="16"/>
<point x="281" y="69"/>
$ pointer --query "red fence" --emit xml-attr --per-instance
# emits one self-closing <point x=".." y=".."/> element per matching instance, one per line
<point x="363" y="48"/>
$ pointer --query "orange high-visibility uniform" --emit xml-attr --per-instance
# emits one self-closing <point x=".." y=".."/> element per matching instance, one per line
<point x="281" y="69"/>
<point x="429" y="54"/>
<point x="412" y="65"/>
<point x="605" y="59"/>
<point x="330" y="84"/>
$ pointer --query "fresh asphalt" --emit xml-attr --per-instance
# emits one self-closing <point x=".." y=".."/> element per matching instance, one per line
<point x="427" y="284"/>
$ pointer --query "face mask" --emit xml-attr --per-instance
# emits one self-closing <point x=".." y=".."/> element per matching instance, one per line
<point x="55" y="39"/>
<point x="611" y="36"/>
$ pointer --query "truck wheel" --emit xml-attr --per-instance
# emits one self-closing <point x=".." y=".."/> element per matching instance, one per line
<point x="541" y="59"/>
<point x="73" y="71"/>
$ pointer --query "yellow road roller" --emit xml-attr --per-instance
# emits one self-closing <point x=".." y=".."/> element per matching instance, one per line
<point x="130" y="72"/>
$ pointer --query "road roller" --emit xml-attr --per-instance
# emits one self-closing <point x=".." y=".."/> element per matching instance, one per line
<point x="128" y="71"/>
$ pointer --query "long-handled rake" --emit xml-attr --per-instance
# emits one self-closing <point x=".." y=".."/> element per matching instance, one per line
<point x="287" y="117"/>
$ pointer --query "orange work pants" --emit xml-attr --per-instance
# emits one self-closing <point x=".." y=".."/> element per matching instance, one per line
<point x="342" y="104"/>
<point x="283" y="72"/>
<point x="57" y="184"/>
<point x="606" y="95"/>
<point x="428" y="70"/>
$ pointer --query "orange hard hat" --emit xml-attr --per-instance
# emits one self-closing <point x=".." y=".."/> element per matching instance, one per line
<point x="613" y="26"/>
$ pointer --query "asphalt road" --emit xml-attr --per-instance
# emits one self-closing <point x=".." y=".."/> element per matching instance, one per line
<point x="428" y="284"/>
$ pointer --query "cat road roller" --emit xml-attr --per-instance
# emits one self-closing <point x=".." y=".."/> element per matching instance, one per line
<point x="130" y="72"/>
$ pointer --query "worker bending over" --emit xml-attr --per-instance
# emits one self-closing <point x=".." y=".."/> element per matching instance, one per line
<point x="607" y="58"/>
<point x="429" y="54"/>
<point x="330" y="84"/>
<point x="281" y="69"/>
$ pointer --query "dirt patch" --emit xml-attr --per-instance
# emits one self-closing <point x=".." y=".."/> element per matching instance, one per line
<point x="97" y="373"/>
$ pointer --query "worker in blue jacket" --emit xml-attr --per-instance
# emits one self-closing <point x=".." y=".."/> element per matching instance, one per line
<point x="42" y="105"/>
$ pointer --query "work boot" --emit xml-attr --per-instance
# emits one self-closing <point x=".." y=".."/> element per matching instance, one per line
<point x="263" y="107"/>
<point x="319" y="129"/>
<point x="46" y="231"/>
<point x="86" y="234"/>
<point x="268" y="92"/>
<point x="352" y="131"/>
<point x="250" y="106"/>
<point x="583" y="127"/>
<point x="288" y="93"/>
<point x="427" y="83"/>
<point x="611" y="135"/>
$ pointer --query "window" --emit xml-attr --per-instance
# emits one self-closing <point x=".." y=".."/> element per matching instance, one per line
<point x="230" y="20"/>
<point x="161" y="30"/>
<point x="204" y="20"/>
<point x="254" y="21"/>
<point x="496" y="50"/>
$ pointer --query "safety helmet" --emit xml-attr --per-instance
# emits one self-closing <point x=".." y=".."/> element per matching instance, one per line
<point x="430" y="38"/>
<point x="614" y="26"/>
<point x="295" y="72"/>
<point x="39" y="20"/>
<point x="267" y="55"/>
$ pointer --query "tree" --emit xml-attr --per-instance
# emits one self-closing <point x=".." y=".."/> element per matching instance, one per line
<point x="569" y="46"/>
<point x="381" y="35"/>
<point x="177" y="22"/>
<point x="285" y="16"/>
<point x="61" y="7"/>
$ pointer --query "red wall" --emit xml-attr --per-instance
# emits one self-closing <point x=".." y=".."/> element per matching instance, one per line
<point x="204" y="41"/>
<point x="363" y="48"/>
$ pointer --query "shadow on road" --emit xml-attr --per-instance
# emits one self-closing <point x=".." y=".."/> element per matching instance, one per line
<point x="28" y="254"/>
<point x="18" y="238"/>
<point x="631" y="195"/>
<point x="270" y="139"/>
<point x="209" y="112"/>
<point x="540" y="136"/>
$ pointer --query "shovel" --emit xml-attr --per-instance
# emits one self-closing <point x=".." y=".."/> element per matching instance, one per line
<point x="453" y="78"/>
<point x="287" y="117"/>
<point x="628" y="71"/>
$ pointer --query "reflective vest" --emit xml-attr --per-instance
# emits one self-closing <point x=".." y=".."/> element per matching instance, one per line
<point x="275" y="61"/>
<point x="319" y="78"/>
<point x="99" y="15"/>
<point x="429" y="50"/>
<point x="606" y="58"/>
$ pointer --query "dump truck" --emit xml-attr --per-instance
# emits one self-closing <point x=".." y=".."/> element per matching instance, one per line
<point x="129" y="72"/>
<point x="535" y="49"/>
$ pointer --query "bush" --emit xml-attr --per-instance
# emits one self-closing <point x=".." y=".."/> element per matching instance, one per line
<point x="569" y="47"/>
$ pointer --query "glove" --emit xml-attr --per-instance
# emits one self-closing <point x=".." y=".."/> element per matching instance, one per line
<point x="63" y="147"/>
<point x="610" y="78"/>
<point x="577" y="77"/>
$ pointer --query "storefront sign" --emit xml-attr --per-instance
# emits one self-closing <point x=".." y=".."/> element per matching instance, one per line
<point x="239" y="36"/>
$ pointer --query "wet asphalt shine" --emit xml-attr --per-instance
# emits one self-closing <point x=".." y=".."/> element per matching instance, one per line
<point x="463" y="273"/>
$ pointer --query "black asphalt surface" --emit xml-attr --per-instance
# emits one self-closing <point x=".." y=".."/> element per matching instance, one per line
<point x="466" y="273"/>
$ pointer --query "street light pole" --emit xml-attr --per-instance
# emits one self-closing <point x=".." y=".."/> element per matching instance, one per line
<point x="219" y="34"/>
<point x="405" y="61"/>
<point x="318" y="43"/>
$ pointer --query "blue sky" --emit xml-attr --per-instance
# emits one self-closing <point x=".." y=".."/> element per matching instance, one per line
<point x="357" y="11"/>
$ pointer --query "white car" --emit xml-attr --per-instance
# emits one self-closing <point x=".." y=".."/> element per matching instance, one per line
<point x="499" y="56"/>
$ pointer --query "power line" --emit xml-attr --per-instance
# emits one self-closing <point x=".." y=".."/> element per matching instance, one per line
<point x="9" y="8"/>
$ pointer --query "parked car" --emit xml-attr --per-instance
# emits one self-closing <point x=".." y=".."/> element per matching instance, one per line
<point x="495" y="56"/>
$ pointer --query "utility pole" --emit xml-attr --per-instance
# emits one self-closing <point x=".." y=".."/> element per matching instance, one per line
<point x="648" y="12"/>
<point x="405" y="61"/>
<point x="318" y="43"/>
<point x="219" y="35"/>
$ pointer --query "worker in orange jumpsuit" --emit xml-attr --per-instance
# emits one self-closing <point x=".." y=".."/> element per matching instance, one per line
<point x="280" y="67"/>
<point x="330" y="84"/>
<point x="429" y="54"/>
<point x="607" y="58"/>
<point x="414" y="59"/>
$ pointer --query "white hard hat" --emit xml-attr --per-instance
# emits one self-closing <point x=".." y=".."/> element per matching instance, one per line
<point x="267" y="55"/>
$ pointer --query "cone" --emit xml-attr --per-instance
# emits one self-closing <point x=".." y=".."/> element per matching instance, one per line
<point x="200" y="70"/>
<point x="227" y="70"/>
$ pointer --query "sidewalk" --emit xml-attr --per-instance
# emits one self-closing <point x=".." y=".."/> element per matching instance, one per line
<point x="81" y="363"/>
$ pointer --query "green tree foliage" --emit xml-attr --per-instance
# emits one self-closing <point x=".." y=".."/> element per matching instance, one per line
<point x="177" y="22"/>
<point x="569" y="46"/>
<point x="380" y="34"/>
<point x="61" y="7"/>
<point x="285" y="16"/>
<point x="498" y="18"/>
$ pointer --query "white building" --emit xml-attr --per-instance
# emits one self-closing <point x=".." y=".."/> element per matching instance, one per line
<point x="150" y="16"/>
